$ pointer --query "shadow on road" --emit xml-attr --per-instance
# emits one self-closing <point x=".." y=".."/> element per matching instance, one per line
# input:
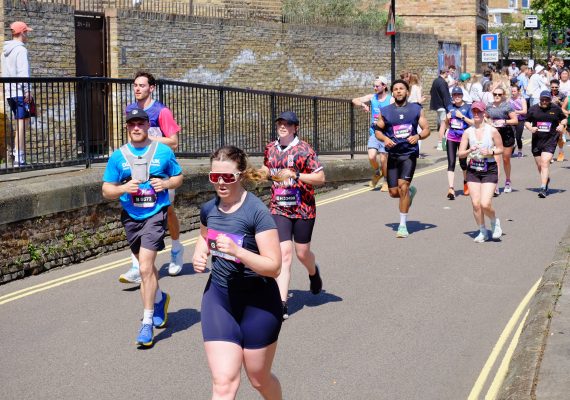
<point x="299" y="299"/>
<point x="413" y="226"/>
<point x="187" y="269"/>
<point x="473" y="235"/>
<point x="178" y="321"/>
<point x="550" y="190"/>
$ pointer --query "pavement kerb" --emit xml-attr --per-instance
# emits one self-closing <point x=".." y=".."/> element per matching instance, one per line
<point x="522" y="377"/>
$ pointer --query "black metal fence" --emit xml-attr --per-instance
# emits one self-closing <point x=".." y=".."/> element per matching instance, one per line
<point x="81" y="120"/>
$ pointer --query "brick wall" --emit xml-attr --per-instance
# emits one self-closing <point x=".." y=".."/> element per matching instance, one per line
<point x="335" y="62"/>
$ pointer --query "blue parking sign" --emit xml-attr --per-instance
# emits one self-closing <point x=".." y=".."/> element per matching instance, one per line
<point x="490" y="42"/>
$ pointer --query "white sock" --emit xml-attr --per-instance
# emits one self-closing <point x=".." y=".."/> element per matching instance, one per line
<point x="176" y="245"/>
<point x="482" y="229"/>
<point x="158" y="296"/>
<point x="403" y="218"/>
<point x="135" y="261"/>
<point x="147" y="317"/>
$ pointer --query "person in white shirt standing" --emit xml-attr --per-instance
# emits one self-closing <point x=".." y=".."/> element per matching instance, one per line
<point x="15" y="65"/>
<point x="513" y="70"/>
<point x="537" y="84"/>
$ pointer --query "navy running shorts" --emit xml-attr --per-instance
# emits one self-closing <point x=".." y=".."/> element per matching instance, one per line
<point x="148" y="233"/>
<point x="248" y="312"/>
<point x="294" y="228"/>
<point x="20" y="109"/>
<point x="400" y="167"/>
<point x="543" y="144"/>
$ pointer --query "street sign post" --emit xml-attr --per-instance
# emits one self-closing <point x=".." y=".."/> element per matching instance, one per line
<point x="531" y="22"/>
<point x="490" y="47"/>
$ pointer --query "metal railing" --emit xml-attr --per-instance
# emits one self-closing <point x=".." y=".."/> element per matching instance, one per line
<point x="81" y="120"/>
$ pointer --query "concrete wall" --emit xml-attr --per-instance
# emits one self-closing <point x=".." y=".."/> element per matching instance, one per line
<point x="54" y="221"/>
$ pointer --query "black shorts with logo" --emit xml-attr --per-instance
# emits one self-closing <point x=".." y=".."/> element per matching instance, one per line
<point x="148" y="233"/>
<point x="401" y="167"/>
<point x="489" y="176"/>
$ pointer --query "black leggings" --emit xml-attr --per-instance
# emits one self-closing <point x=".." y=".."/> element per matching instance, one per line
<point x="518" y="134"/>
<point x="452" y="148"/>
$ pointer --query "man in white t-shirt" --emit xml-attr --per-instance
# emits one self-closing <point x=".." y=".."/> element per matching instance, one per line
<point x="513" y="70"/>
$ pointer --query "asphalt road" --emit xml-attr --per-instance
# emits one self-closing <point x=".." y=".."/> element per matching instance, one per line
<point x="413" y="318"/>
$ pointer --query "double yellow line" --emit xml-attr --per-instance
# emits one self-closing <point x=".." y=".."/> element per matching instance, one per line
<point x="74" y="277"/>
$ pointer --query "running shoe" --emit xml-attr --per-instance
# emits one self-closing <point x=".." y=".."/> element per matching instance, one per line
<point x="465" y="189"/>
<point x="316" y="281"/>
<point x="402" y="231"/>
<point x="176" y="262"/>
<point x="542" y="193"/>
<point x="439" y="146"/>
<point x="285" y="311"/>
<point x="481" y="237"/>
<point x="145" y="336"/>
<point x="560" y="157"/>
<point x="374" y="180"/>
<point x="497" y="192"/>
<point x="508" y="188"/>
<point x="384" y="187"/>
<point x="520" y="154"/>
<point x="160" y="315"/>
<point x="496" y="229"/>
<point x="451" y="194"/>
<point x="413" y="191"/>
<point x="133" y="275"/>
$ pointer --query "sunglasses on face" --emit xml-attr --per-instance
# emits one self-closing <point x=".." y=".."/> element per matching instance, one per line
<point x="227" y="177"/>
<point x="497" y="94"/>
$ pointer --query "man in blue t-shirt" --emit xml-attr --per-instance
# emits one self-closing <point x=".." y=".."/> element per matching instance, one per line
<point x="397" y="127"/>
<point x="140" y="174"/>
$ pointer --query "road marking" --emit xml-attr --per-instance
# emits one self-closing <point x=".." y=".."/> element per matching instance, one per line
<point x="480" y="382"/>
<point x="76" y="276"/>
<point x="502" y="371"/>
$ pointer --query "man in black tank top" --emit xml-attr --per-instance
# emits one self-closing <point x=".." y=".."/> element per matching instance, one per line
<point x="397" y="127"/>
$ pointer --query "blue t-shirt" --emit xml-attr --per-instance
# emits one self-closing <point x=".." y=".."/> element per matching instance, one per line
<point x="401" y="123"/>
<point x="457" y="126"/>
<point x="163" y="165"/>
<point x="375" y="106"/>
<point x="241" y="226"/>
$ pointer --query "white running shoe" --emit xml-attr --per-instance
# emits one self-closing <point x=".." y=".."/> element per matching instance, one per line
<point x="496" y="228"/>
<point x="176" y="262"/>
<point x="481" y="238"/>
<point x="133" y="275"/>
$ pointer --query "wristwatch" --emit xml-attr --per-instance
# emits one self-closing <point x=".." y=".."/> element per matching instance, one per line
<point x="297" y="175"/>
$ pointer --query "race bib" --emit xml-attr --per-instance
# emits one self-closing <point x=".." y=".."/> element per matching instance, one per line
<point x="498" y="123"/>
<point x="402" y="131"/>
<point x="145" y="198"/>
<point x="478" y="165"/>
<point x="544" y="126"/>
<point x="456" y="123"/>
<point x="287" y="197"/>
<point x="374" y="118"/>
<point x="213" y="235"/>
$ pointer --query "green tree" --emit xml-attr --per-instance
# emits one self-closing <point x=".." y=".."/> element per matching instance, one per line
<point x="553" y="13"/>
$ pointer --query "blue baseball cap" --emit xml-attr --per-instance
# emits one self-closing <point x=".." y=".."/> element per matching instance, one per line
<point x="288" y="116"/>
<point x="456" y="90"/>
<point x="545" y="94"/>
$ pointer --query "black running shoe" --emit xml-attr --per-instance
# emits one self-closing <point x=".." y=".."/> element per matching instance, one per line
<point x="285" y="311"/>
<point x="316" y="282"/>
<point x="542" y="193"/>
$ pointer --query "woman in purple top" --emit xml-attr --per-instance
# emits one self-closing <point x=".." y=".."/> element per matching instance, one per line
<point x="518" y="104"/>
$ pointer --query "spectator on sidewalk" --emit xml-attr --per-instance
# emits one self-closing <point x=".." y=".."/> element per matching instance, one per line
<point x="440" y="100"/>
<point x="15" y="65"/>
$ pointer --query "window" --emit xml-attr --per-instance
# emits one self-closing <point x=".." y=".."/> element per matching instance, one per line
<point x="525" y="3"/>
<point x="513" y="4"/>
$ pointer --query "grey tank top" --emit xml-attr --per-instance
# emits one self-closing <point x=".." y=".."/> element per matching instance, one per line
<point x="485" y="142"/>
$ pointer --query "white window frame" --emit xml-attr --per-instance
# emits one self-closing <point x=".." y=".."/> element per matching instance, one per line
<point x="513" y="4"/>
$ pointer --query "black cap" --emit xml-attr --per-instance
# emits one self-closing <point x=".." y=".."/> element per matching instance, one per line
<point x="288" y="116"/>
<point x="137" y="113"/>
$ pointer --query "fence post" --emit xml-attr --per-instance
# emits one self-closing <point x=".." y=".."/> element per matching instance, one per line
<point x="273" y="116"/>
<point x="160" y="85"/>
<point x="352" y="132"/>
<point x="85" y="90"/>
<point x="222" y="117"/>
<point x="315" y="122"/>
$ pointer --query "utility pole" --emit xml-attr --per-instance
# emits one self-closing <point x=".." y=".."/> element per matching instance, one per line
<point x="393" y="44"/>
